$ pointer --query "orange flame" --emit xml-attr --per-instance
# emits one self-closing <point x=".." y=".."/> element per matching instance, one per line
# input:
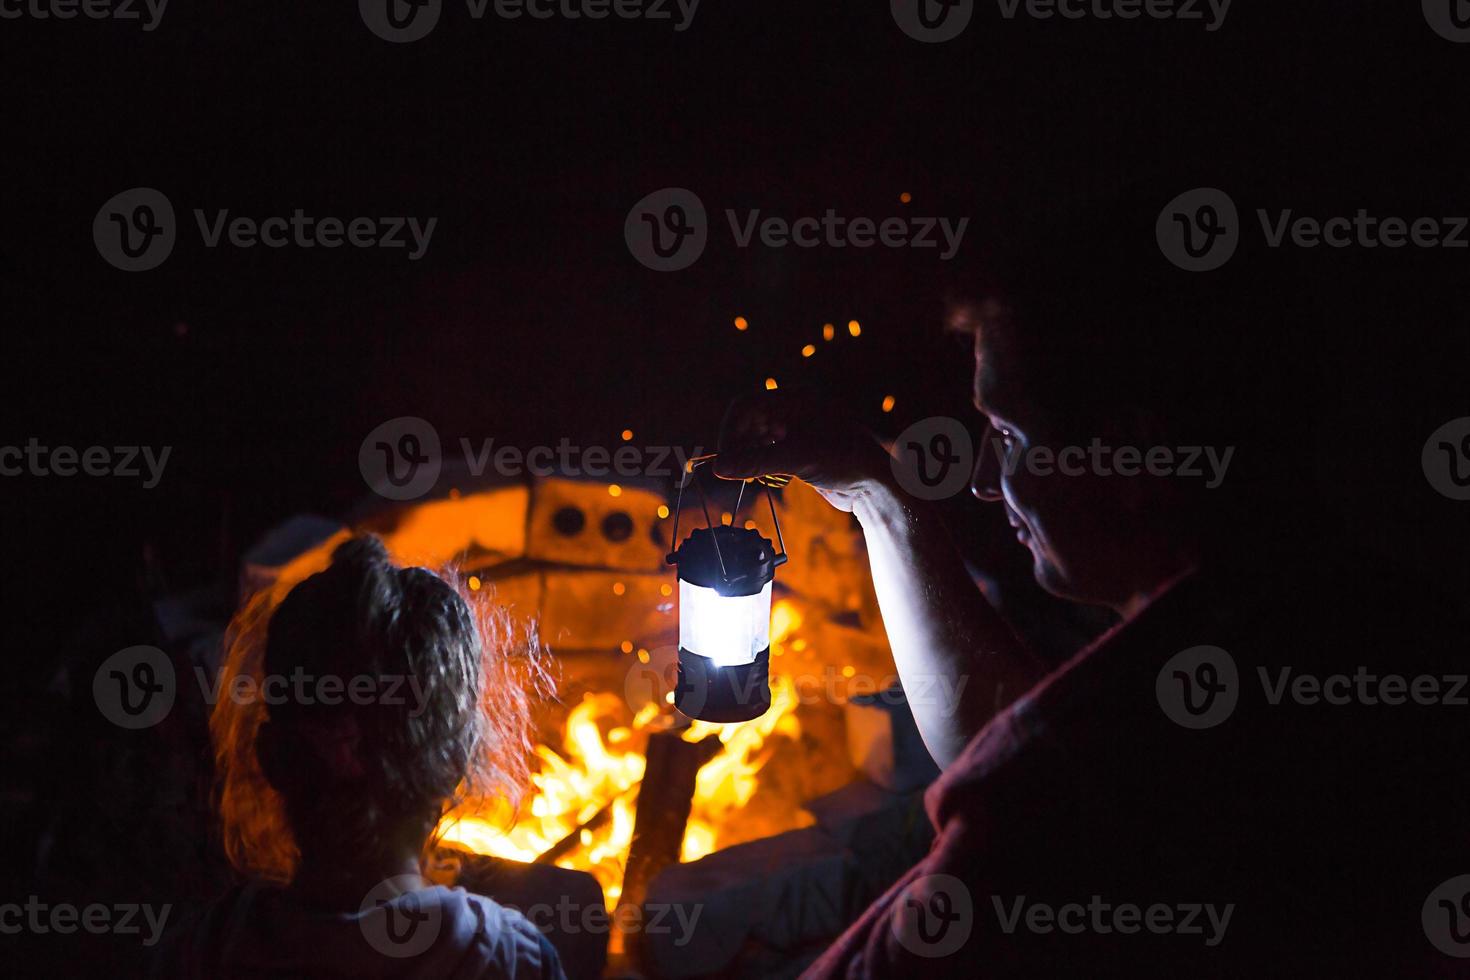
<point x="587" y="788"/>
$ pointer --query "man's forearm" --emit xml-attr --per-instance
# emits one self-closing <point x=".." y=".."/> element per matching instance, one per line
<point x="958" y="659"/>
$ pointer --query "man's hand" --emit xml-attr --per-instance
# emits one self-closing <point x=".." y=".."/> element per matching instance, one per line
<point x="791" y="433"/>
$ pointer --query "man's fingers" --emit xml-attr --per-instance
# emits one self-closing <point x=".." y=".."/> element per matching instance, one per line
<point x="755" y="417"/>
<point x="745" y="463"/>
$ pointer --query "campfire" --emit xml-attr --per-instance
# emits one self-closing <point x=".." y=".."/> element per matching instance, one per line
<point x="581" y="815"/>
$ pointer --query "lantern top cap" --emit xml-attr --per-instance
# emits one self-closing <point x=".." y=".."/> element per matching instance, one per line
<point x="734" y="561"/>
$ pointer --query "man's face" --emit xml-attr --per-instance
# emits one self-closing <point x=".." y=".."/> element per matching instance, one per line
<point x="1074" y="525"/>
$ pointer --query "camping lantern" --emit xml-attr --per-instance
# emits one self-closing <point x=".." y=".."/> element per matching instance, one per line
<point x="725" y="578"/>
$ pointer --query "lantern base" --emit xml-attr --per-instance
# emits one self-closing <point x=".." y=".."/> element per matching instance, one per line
<point x="709" y="692"/>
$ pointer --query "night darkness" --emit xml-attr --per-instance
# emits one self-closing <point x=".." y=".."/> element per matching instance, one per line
<point x="526" y="319"/>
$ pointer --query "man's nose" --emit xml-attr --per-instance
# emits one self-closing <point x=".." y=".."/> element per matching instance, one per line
<point x="985" y="480"/>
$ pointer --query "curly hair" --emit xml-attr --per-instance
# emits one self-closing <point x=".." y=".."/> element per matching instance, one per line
<point x="339" y="776"/>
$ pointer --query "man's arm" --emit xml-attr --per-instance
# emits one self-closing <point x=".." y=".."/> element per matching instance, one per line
<point x="959" y="661"/>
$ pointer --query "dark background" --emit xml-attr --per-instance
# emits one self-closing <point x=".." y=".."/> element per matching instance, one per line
<point x="528" y="320"/>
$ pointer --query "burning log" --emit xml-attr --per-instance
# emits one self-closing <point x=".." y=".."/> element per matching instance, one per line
<point x="663" y="812"/>
<point x="571" y="840"/>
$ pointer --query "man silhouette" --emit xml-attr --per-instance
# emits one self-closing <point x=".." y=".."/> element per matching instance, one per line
<point x="1317" y="828"/>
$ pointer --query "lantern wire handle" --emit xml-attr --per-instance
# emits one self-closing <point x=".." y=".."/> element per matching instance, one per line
<point x="715" y="538"/>
<point x="778" y="480"/>
<point x="780" y="542"/>
<point x="688" y="474"/>
<point x="704" y="504"/>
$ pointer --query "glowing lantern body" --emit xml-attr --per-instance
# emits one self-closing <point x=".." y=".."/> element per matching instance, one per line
<point x="725" y="576"/>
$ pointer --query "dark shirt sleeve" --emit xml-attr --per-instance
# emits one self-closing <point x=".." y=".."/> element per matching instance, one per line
<point x="928" y="924"/>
